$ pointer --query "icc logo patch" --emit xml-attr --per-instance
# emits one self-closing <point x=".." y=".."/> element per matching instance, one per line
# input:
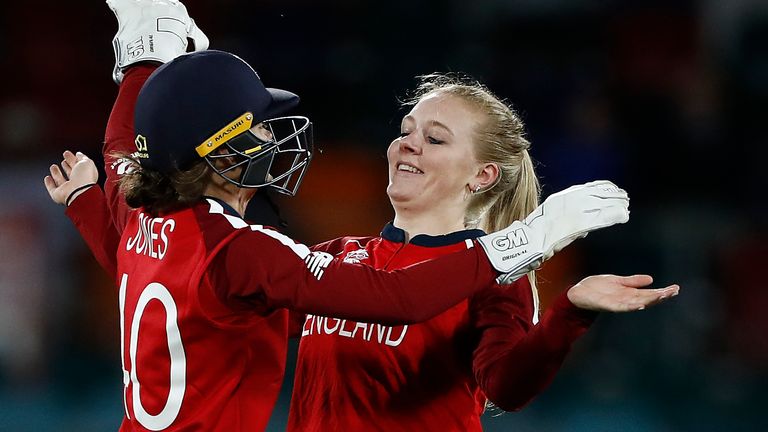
<point x="141" y="146"/>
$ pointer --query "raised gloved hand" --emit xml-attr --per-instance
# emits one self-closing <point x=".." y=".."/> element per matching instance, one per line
<point x="152" y="30"/>
<point x="561" y="219"/>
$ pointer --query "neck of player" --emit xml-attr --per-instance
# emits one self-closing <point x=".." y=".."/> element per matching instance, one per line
<point x="435" y="221"/>
<point x="236" y="197"/>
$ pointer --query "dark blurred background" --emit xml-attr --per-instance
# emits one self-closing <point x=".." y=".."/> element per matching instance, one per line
<point x="668" y="99"/>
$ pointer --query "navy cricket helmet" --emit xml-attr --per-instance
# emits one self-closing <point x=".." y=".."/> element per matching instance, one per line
<point x="204" y="105"/>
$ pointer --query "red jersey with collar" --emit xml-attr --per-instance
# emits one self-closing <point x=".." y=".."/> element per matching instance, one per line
<point x="432" y="376"/>
<point x="192" y="359"/>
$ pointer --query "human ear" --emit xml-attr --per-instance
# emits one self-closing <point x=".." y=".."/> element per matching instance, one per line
<point x="487" y="176"/>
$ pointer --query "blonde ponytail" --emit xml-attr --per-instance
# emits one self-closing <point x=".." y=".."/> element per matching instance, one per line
<point x="514" y="203"/>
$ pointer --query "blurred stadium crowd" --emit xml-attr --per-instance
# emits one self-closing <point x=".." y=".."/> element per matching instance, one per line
<point x="668" y="99"/>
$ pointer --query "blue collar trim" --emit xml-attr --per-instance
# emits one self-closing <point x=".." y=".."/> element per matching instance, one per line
<point x="397" y="235"/>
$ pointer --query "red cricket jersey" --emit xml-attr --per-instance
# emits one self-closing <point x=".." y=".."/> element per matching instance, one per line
<point x="432" y="376"/>
<point x="190" y="360"/>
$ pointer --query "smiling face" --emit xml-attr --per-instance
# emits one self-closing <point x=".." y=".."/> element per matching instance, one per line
<point x="432" y="163"/>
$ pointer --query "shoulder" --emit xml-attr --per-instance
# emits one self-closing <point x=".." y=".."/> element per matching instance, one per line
<point x="220" y="228"/>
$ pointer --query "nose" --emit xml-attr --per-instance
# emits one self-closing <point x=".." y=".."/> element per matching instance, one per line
<point x="410" y="144"/>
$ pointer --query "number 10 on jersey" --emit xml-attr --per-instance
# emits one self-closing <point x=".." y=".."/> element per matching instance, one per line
<point x="153" y="291"/>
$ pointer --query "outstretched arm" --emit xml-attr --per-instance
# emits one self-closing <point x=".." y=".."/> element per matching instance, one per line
<point x="286" y="274"/>
<point x="515" y="360"/>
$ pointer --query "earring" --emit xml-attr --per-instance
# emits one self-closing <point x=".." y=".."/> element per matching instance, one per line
<point x="476" y="190"/>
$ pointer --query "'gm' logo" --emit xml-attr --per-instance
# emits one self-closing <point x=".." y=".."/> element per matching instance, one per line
<point x="512" y="240"/>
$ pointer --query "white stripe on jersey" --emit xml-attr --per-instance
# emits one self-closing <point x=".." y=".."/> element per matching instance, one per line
<point x="298" y="248"/>
<point x="235" y="221"/>
<point x="238" y="223"/>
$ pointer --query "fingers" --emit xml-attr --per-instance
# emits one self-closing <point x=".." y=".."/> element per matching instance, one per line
<point x="616" y="214"/>
<point x="599" y="183"/>
<point x="635" y="281"/>
<point x="605" y="216"/>
<point x="57" y="175"/>
<point x="666" y="292"/>
<point x="652" y="297"/>
<point x="69" y="162"/>
<point x="199" y="39"/>
<point x="605" y="189"/>
<point x="610" y="194"/>
<point x="50" y="185"/>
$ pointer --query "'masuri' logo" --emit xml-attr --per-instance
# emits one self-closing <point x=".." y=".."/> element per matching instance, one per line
<point x="141" y="146"/>
<point x="513" y="239"/>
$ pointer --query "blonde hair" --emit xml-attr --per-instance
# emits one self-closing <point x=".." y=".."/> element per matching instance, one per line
<point x="499" y="139"/>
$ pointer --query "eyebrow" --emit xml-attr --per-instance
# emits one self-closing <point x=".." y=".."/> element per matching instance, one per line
<point x="431" y="123"/>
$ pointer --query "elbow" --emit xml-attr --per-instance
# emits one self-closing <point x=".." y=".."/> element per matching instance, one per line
<point x="511" y="388"/>
<point x="509" y="404"/>
<point x="509" y="398"/>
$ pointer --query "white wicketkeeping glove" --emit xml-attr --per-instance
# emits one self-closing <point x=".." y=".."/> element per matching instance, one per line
<point x="152" y="30"/>
<point x="562" y="218"/>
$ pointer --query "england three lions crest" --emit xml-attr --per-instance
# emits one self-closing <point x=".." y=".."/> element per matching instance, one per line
<point x="355" y="256"/>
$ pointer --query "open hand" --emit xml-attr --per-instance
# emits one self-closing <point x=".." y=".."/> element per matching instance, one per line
<point x="613" y="293"/>
<point x="77" y="170"/>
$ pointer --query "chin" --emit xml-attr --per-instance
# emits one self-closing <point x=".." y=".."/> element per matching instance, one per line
<point x="396" y="196"/>
<point x="409" y="198"/>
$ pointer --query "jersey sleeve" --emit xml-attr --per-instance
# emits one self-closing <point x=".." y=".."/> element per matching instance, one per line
<point x="90" y="215"/>
<point x="119" y="138"/>
<point x="515" y="359"/>
<point x="268" y="268"/>
<point x="296" y="319"/>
